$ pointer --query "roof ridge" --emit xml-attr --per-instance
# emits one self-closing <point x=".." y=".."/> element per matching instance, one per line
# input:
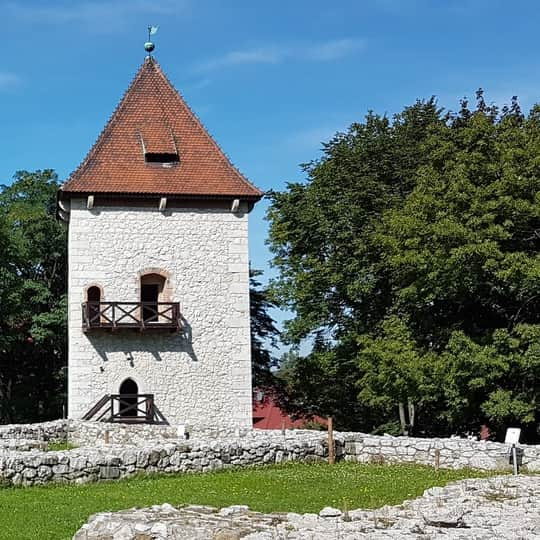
<point x="100" y="138"/>
<point x="204" y="128"/>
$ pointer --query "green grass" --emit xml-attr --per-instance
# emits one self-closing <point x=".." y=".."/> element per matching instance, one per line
<point x="57" y="511"/>
<point x="64" y="445"/>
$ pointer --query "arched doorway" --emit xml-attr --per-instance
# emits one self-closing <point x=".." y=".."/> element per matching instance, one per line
<point x="128" y="398"/>
<point x="151" y="293"/>
<point x="93" y="297"/>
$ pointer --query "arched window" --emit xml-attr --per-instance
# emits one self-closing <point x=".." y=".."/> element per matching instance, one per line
<point x="151" y="293"/>
<point x="128" y="398"/>
<point x="93" y="297"/>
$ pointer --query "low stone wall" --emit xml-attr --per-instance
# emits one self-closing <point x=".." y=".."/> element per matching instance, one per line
<point x="23" y="445"/>
<point x="45" y="431"/>
<point x="92" y="433"/>
<point x="452" y="453"/>
<point x="98" y="433"/>
<point x="115" y="451"/>
<point x="105" y="462"/>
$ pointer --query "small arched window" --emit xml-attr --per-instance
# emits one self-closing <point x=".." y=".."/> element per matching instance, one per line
<point x="128" y="398"/>
<point x="93" y="298"/>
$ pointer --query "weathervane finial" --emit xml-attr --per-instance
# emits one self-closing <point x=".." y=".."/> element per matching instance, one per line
<point x="149" y="46"/>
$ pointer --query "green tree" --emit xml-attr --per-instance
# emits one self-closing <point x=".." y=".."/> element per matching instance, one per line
<point x="395" y="374"/>
<point x="264" y="333"/>
<point x="322" y="383"/>
<point x="432" y="219"/>
<point x="498" y="382"/>
<point x="32" y="295"/>
<point x="462" y="250"/>
<point x="321" y="232"/>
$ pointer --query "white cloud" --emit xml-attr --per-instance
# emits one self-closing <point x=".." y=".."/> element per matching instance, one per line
<point x="9" y="81"/>
<point x="317" y="52"/>
<point x="235" y="58"/>
<point x="332" y="50"/>
<point x="105" y="14"/>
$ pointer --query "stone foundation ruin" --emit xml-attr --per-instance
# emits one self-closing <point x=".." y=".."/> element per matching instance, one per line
<point x="112" y="451"/>
<point x="503" y="507"/>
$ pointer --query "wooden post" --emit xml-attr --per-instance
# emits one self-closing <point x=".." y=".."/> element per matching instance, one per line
<point x="437" y="458"/>
<point x="106" y="436"/>
<point x="331" y="458"/>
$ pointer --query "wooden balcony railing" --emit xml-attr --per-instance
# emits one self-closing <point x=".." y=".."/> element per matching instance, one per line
<point x="126" y="409"/>
<point x="140" y="316"/>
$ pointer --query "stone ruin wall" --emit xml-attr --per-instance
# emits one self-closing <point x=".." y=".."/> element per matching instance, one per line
<point x="158" y="449"/>
<point x="503" y="508"/>
<point x="88" y="433"/>
<point x="45" y="431"/>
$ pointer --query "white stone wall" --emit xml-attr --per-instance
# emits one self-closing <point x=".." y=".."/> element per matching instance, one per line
<point x="82" y="433"/>
<point x="449" y="453"/>
<point x="55" y="430"/>
<point x="201" y="377"/>
<point x="111" y="451"/>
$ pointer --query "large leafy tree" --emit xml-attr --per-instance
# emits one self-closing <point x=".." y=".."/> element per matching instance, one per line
<point x="32" y="296"/>
<point x="462" y="251"/>
<point x="394" y="373"/>
<point x="412" y="248"/>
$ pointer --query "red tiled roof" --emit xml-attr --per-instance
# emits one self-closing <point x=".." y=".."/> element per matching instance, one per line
<point x="268" y="415"/>
<point x="153" y="116"/>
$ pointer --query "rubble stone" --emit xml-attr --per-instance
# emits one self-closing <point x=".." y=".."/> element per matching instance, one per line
<point x="149" y="449"/>
<point x="504" y="507"/>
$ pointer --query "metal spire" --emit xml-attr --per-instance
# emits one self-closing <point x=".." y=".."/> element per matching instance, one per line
<point x="149" y="46"/>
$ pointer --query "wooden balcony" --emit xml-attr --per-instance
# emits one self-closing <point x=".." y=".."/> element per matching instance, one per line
<point x="126" y="409"/>
<point x="141" y="316"/>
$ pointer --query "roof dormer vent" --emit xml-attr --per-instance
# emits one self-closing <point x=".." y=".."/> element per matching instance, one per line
<point x="163" y="158"/>
<point x="159" y="145"/>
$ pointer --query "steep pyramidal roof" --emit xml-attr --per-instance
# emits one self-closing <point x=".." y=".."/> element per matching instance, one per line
<point x="154" y="145"/>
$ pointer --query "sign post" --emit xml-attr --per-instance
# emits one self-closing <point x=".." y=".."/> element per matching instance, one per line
<point x="512" y="437"/>
<point x="331" y="457"/>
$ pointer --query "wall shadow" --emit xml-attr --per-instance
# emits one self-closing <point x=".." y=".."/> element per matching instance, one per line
<point x="154" y="342"/>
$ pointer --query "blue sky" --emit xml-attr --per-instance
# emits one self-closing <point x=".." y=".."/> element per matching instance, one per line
<point x="270" y="80"/>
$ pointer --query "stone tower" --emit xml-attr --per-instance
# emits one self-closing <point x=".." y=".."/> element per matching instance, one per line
<point x="158" y="269"/>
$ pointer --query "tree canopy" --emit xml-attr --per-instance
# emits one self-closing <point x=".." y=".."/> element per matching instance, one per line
<point x="411" y="255"/>
<point x="32" y="295"/>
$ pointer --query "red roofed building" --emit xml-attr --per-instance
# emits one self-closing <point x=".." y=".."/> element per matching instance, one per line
<point x="158" y="282"/>
<point x="268" y="415"/>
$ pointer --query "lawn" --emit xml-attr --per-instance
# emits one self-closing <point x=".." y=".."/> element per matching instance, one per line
<point x="56" y="512"/>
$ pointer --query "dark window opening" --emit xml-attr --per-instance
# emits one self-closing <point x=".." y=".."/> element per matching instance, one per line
<point x="128" y="398"/>
<point x="152" y="286"/>
<point x="161" y="157"/>
<point x="93" y="297"/>
<point x="149" y="297"/>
